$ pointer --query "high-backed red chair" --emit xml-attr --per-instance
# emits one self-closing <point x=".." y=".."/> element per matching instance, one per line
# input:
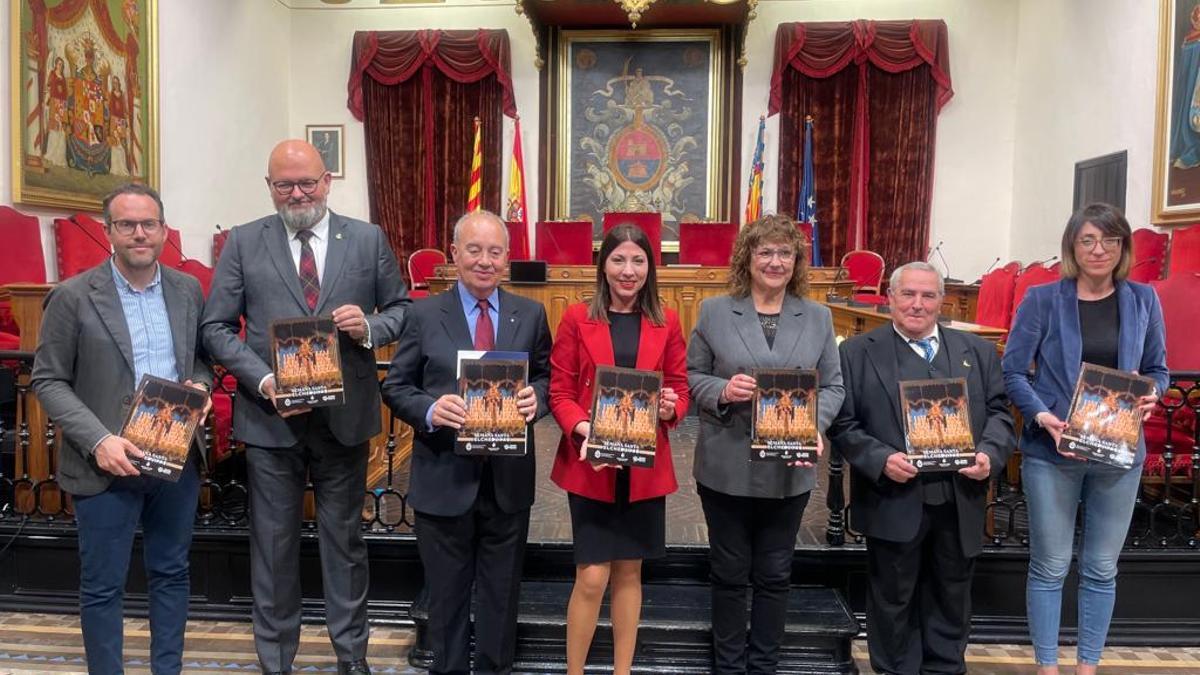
<point x="422" y="264"/>
<point x="202" y="272"/>
<point x="564" y="242"/>
<point x="650" y="222"/>
<point x="80" y="244"/>
<point x="865" y="271"/>
<point x="706" y="243"/>
<point x="1149" y="254"/>
<point x="996" y="296"/>
<point x="518" y="240"/>
<point x="1033" y="275"/>
<point x="1181" y="315"/>
<point x="1185" y="250"/>
<point x="219" y="244"/>
<point x="21" y="261"/>
<point x="172" y="253"/>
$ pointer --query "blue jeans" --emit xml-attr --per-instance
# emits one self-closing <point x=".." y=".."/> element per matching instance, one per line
<point x="106" y="524"/>
<point x="1053" y="493"/>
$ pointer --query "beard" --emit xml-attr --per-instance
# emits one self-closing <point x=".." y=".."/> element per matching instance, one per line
<point x="304" y="218"/>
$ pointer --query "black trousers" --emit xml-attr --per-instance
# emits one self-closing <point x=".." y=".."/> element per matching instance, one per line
<point x="751" y="540"/>
<point x="484" y="547"/>
<point x="919" y="598"/>
<point x="277" y="478"/>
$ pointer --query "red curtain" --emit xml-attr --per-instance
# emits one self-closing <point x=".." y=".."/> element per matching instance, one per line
<point x="417" y="93"/>
<point x="875" y="88"/>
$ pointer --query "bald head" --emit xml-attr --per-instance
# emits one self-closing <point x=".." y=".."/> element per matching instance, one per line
<point x="299" y="183"/>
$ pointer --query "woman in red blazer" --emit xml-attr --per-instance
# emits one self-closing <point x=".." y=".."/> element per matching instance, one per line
<point x="618" y="515"/>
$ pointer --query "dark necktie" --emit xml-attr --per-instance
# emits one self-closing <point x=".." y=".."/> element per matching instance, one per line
<point x="485" y="338"/>
<point x="309" y="281"/>
<point x="926" y="345"/>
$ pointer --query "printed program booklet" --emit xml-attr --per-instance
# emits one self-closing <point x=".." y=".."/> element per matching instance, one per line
<point x="624" y="416"/>
<point x="937" y="424"/>
<point x="162" y="422"/>
<point x="784" y="415"/>
<point x="488" y="382"/>
<point x="1104" y="423"/>
<point x="307" y="363"/>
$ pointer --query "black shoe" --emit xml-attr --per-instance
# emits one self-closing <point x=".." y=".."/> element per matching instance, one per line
<point x="355" y="667"/>
<point x="277" y="672"/>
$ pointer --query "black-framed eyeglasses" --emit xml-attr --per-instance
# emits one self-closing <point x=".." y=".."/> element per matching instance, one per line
<point x="1107" y="243"/>
<point x="128" y="227"/>
<point x="307" y="185"/>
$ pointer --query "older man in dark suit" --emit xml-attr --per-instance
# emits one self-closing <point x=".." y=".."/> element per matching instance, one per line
<point x="101" y="332"/>
<point x="923" y="531"/>
<point x="305" y="261"/>
<point x="472" y="512"/>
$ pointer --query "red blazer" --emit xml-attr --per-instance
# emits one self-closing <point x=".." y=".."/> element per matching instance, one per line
<point x="580" y="346"/>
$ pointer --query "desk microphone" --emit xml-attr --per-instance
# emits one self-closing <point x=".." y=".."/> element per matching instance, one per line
<point x="1042" y="262"/>
<point x="985" y="272"/>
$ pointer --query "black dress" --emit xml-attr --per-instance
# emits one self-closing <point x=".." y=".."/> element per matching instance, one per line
<point x="621" y="530"/>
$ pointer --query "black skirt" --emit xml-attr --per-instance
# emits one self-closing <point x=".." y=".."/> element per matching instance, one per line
<point x="622" y="530"/>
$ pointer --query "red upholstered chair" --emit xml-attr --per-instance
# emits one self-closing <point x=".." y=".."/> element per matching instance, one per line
<point x="219" y="244"/>
<point x="996" y="297"/>
<point x="1149" y="254"/>
<point x="865" y="270"/>
<point x="79" y="244"/>
<point x="518" y="240"/>
<point x="649" y="222"/>
<point x="422" y="264"/>
<point x="564" y="242"/>
<point x="172" y="253"/>
<point x="1185" y="250"/>
<point x="21" y="259"/>
<point x="1033" y="275"/>
<point x="1181" y="315"/>
<point x="202" y="272"/>
<point x="706" y="243"/>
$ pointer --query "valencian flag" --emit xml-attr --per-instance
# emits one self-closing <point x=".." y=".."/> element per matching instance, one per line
<point x="476" y="181"/>
<point x="754" y="193"/>
<point x="516" y="179"/>
<point x="806" y="207"/>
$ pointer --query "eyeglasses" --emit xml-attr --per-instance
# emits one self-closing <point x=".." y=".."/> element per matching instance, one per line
<point x="128" y="227"/>
<point x="766" y="254"/>
<point x="1107" y="243"/>
<point x="307" y="186"/>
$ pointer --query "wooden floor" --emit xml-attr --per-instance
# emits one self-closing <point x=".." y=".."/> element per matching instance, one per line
<point x="44" y="643"/>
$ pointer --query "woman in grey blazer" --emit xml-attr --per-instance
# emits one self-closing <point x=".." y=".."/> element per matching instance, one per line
<point x="753" y="509"/>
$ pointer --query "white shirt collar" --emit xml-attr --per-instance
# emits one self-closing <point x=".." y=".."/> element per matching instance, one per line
<point x="320" y="230"/>
<point x="932" y="334"/>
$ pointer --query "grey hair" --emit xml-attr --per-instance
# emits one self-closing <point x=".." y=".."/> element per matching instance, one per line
<point x="479" y="214"/>
<point x="916" y="265"/>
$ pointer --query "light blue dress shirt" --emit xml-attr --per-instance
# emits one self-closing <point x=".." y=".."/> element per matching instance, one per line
<point x="149" y="328"/>
<point x="470" y="305"/>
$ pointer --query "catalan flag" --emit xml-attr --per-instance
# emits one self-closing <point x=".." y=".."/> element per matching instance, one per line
<point x="516" y="179"/>
<point x="476" y="182"/>
<point x="754" y="193"/>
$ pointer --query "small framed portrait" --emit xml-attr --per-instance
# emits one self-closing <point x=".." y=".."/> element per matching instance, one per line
<point x="327" y="139"/>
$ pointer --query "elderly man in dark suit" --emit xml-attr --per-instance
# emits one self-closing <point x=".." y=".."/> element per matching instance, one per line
<point x="101" y="332"/>
<point x="923" y="531"/>
<point x="305" y="261"/>
<point x="472" y="512"/>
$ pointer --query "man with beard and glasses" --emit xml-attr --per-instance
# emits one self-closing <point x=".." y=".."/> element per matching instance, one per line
<point x="305" y="261"/>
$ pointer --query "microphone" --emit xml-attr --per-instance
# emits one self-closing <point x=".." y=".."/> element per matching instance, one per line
<point x="985" y="272"/>
<point x="947" y="279"/>
<point x="931" y="250"/>
<point x="1042" y="262"/>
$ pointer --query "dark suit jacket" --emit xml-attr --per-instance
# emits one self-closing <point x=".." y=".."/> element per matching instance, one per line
<point x="424" y="369"/>
<point x="83" y="368"/>
<point x="256" y="280"/>
<point x="1045" y="335"/>
<point x="870" y="427"/>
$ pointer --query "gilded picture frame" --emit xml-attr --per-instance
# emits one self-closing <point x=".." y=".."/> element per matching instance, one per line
<point x="328" y="139"/>
<point x="1176" y="186"/>
<point x="84" y="99"/>
<point x="636" y="121"/>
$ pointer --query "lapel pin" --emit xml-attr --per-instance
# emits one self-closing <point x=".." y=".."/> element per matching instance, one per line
<point x="338" y="235"/>
<point x="966" y="364"/>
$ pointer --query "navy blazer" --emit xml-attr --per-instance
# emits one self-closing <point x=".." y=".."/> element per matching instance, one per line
<point x="1044" y="354"/>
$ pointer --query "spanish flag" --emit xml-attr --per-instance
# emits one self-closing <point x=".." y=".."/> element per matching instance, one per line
<point x="476" y="181"/>
<point x="754" y="194"/>
<point x="516" y="179"/>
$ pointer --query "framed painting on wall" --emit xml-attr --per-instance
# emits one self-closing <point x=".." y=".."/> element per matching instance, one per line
<point x="640" y="123"/>
<point x="84" y="99"/>
<point x="327" y="139"/>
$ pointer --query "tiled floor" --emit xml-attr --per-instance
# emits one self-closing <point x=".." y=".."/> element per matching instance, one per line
<point x="44" y="643"/>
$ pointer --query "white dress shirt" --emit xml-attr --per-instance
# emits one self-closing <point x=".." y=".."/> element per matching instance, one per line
<point x="319" y="243"/>
<point x="935" y="340"/>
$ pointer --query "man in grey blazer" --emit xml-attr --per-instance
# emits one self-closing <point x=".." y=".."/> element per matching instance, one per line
<point x="101" y="332"/>
<point x="305" y="261"/>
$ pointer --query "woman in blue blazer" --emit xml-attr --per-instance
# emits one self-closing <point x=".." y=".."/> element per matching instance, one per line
<point x="1093" y="315"/>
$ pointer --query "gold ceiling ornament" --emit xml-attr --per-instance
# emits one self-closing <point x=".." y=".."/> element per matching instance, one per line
<point x="634" y="9"/>
<point x="538" y="61"/>
<point x="751" y="15"/>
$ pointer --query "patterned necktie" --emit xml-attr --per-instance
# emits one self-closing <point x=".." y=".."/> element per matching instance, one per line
<point x="309" y="281"/>
<point x="926" y="345"/>
<point x="485" y="338"/>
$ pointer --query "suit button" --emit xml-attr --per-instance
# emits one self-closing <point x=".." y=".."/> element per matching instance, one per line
<point x="126" y="400"/>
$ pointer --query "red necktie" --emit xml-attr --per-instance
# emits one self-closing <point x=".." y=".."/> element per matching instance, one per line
<point x="309" y="281"/>
<point x="485" y="338"/>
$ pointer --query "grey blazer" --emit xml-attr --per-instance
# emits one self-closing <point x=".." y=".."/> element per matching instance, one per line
<point x="83" y="367"/>
<point x="728" y="339"/>
<point x="256" y="280"/>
